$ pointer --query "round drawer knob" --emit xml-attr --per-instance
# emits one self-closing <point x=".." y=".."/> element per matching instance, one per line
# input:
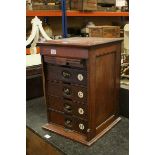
<point x="81" y="126"/>
<point x="80" y="77"/>
<point x="80" y="94"/>
<point x="81" y="111"/>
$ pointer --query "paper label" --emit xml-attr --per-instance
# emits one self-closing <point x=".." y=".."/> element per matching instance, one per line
<point x="47" y="136"/>
<point x="53" y="51"/>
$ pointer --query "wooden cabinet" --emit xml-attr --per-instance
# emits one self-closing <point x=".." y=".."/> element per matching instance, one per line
<point x="34" y="82"/>
<point x="81" y="84"/>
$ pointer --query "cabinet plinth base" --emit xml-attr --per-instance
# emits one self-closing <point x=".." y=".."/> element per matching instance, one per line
<point x="76" y="136"/>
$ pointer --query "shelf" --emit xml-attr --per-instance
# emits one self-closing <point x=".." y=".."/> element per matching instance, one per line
<point x="75" y="13"/>
<point x="28" y="51"/>
<point x="96" y="13"/>
<point x="44" y="13"/>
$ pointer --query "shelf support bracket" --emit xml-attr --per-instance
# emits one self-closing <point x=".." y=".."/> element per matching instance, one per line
<point x="64" y="18"/>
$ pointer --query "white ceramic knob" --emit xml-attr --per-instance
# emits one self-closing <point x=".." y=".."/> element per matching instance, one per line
<point x="81" y="111"/>
<point x="80" y="77"/>
<point x="81" y="126"/>
<point x="80" y="94"/>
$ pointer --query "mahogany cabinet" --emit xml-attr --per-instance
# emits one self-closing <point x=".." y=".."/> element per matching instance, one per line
<point x="81" y="79"/>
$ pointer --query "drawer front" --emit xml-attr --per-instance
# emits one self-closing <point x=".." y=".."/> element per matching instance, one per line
<point x="68" y="107"/>
<point x="76" y="109"/>
<point x="63" y="51"/>
<point x="69" y="122"/>
<point x="75" y="124"/>
<point x="68" y="62"/>
<point x="73" y="92"/>
<point x="57" y="73"/>
<point x="55" y="117"/>
<point x="55" y="103"/>
<point x="81" y="126"/>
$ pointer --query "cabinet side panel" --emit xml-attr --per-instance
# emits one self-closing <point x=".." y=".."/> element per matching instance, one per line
<point x="105" y="86"/>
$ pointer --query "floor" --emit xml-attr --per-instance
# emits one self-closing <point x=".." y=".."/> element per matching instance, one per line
<point x="115" y="142"/>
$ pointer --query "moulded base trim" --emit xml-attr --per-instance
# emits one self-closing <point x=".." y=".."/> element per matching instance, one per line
<point x="76" y="136"/>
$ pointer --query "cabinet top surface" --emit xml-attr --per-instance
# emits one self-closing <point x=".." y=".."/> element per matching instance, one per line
<point x="80" y="41"/>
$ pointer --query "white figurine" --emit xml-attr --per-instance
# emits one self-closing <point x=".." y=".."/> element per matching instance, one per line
<point x="34" y="58"/>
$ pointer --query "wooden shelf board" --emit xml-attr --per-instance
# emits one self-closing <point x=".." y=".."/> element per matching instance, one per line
<point x="74" y="13"/>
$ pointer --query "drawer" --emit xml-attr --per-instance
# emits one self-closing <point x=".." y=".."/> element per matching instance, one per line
<point x="68" y="62"/>
<point x="69" y="75"/>
<point x="55" y="103"/>
<point x="75" y="108"/>
<point x="69" y="91"/>
<point x="67" y="106"/>
<point x="55" y="117"/>
<point x="69" y="122"/>
<point x="75" y="124"/>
